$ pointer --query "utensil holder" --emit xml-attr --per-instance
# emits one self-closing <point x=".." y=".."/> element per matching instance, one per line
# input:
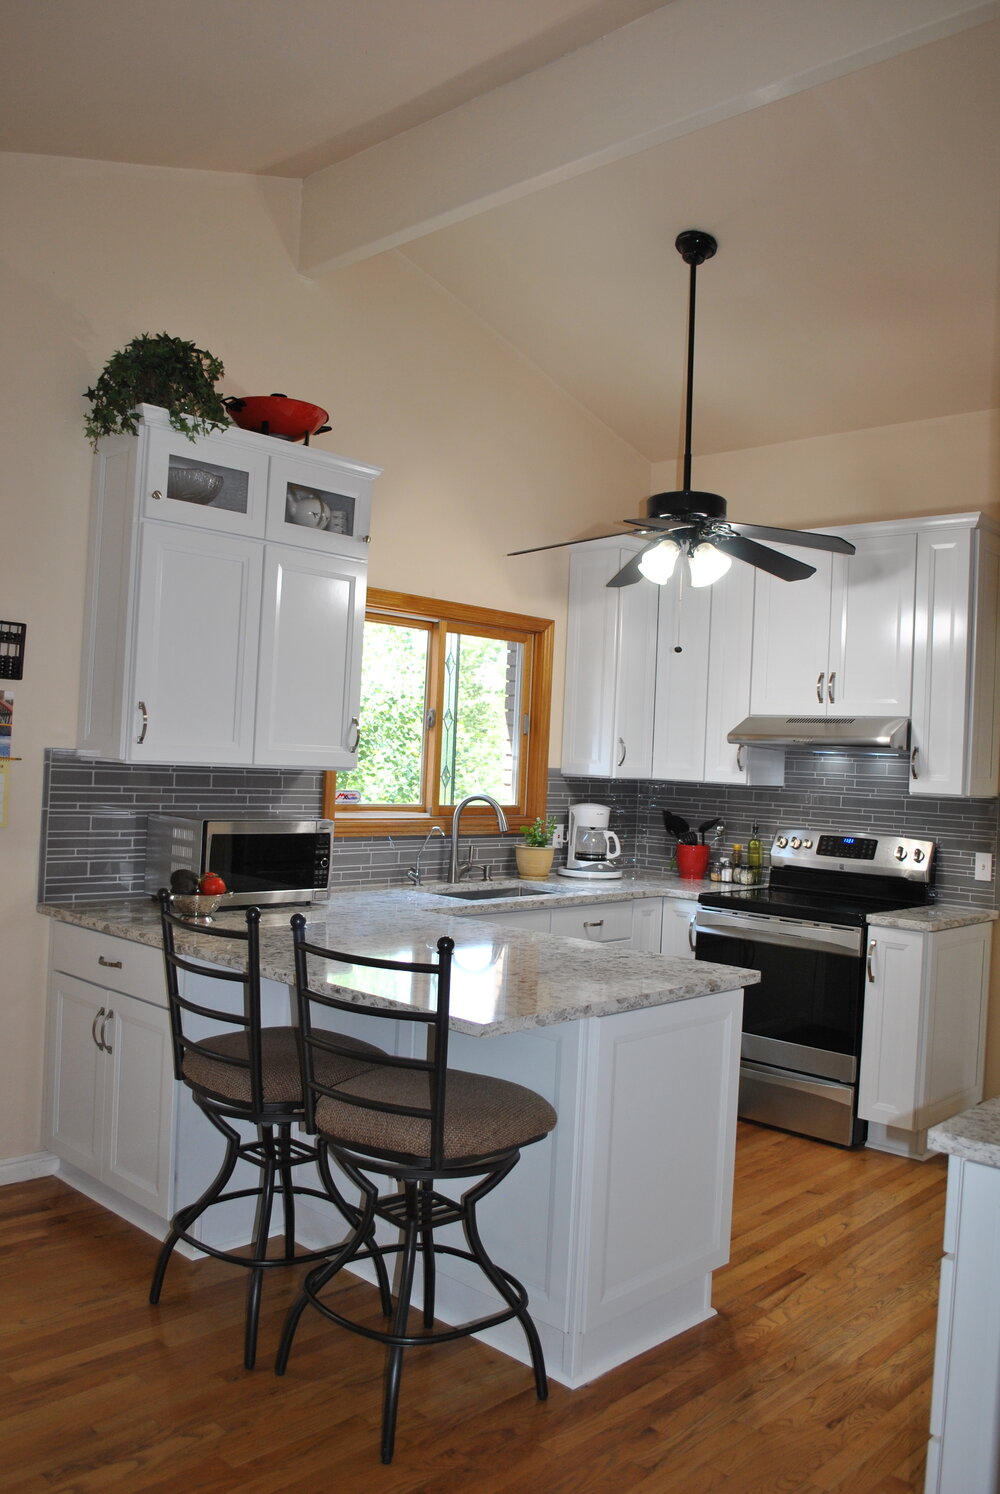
<point x="692" y="862"/>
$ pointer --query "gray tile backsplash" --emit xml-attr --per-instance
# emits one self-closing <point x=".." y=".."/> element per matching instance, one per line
<point x="94" y="819"/>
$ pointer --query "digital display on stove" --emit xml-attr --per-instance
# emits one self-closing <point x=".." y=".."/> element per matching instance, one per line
<point x="847" y="847"/>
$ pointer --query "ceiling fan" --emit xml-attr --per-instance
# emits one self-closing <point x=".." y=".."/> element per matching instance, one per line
<point x="694" y="523"/>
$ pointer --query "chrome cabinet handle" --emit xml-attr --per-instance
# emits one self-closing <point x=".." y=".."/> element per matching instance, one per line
<point x="145" y="723"/>
<point x="93" y="1028"/>
<point x="691" y="940"/>
<point x="739" y="758"/>
<point x="830" y="684"/>
<point x="357" y="734"/>
<point x="913" y="764"/>
<point x="870" y="962"/>
<point x="819" y="686"/>
<point x="104" y="1029"/>
<point x="621" y="744"/>
<point x="109" y="964"/>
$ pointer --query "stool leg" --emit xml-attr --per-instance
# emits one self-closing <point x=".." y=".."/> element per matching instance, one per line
<point x="261" y="1235"/>
<point x="427" y="1251"/>
<point x="185" y="1217"/>
<point x="495" y="1275"/>
<point x="394" y="1360"/>
<point x="287" y="1186"/>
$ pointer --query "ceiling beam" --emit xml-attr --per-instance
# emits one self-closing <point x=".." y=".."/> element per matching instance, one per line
<point x="684" y="66"/>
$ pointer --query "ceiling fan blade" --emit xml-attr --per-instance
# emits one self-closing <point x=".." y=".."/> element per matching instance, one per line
<point x="630" y="572"/>
<point x="560" y="544"/>
<point x="795" y="537"/>
<point x="783" y="566"/>
<point x="662" y="526"/>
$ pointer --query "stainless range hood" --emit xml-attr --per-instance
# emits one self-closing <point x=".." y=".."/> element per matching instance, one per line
<point x="879" y="733"/>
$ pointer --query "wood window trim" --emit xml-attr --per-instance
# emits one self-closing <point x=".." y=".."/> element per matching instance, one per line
<point x="372" y="824"/>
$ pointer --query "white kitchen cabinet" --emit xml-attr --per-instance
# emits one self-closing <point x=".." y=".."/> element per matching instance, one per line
<point x="633" y="924"/>
<point x="205" y="641"/>
<point x="610" y="667"/>
<point x="679" y="915"/>
<point x="955" y="732"/>
<point x="840" y="642"/>
<point x="923" y="1038"/>
<point x="110" y="1087"/>
<point x="963" y="1455"/>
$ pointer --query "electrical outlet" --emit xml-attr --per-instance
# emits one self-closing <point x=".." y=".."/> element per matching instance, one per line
<point x="984" y="866"/>
<point x="558" y="837"/>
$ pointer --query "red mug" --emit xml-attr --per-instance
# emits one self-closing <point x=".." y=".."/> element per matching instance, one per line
<point x="692" y="862"/>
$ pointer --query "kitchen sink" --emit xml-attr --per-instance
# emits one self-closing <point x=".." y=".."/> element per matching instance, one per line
<point x="494" y="894"/>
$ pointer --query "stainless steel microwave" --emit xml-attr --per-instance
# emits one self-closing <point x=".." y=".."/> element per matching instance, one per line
<point x="261" y="861"/>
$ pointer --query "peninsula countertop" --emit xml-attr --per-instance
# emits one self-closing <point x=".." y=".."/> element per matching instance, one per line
<point x="503" y="979"/>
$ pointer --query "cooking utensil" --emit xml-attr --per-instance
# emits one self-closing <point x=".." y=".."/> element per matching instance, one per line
<point x="277" y="415"/>
<point x="675" y="824"/>
<point x="709" y="825"/>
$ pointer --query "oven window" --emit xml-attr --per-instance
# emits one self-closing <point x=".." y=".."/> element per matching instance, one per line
<point x="807" y="997"/>
<point x="263" y="863"/>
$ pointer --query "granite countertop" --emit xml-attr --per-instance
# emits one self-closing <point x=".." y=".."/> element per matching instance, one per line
<point x="933" y="918"/>
<point x="974" y="1134"/>
<point x="503" y="980"/>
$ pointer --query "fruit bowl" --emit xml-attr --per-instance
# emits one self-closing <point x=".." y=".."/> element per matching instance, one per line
<point x="198" y="907"/>
<point x="192" y="484"/>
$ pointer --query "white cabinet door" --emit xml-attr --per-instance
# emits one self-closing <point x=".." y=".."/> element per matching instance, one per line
<point x="196" y="627"/>
<point x="791" y="640"/>
<point x="955" y="737"/>
<point x="678" y="928"/>
<point x="870" y="661"/>
<point x="922" y="1051"/>
<point x="320" y="502"/>
<point x="534" y="920"/>
<point x="76" y="1073"/>
<point x="682" y="668"/>
<point x="309" y="681"/>
<point x="139" y="1109"/>
<point x="209" y="483"/>
<point x="610" y="667"/>
<point x="647" y="924"/>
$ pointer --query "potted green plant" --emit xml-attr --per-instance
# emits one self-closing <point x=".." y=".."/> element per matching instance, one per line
<point x="534" y="855"/>
<point x="156" y="369"/>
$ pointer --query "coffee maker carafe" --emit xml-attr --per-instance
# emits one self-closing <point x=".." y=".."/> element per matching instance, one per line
<point x="591" y="848"/>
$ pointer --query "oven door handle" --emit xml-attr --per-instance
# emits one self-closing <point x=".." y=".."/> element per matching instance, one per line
<point x="832" y="941"/>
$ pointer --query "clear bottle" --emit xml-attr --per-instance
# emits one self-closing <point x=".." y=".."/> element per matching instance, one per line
<point x="755" y="856"/>
<point x="737" y="855"/>
<point x="725" y="870"/>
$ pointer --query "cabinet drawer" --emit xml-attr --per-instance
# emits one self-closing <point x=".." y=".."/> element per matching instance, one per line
<point x="597" y="921"/>
<point x="117" y="964"/>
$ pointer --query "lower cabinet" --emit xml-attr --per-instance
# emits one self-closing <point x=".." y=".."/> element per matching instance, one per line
<point x="923" y="1041"/>
<point x="677" y="938"/>
<point x="110" y="1091"/>
<point x="630" y="925"/>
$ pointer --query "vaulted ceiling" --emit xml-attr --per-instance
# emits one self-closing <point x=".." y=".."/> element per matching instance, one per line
<point x="856" y="203"/>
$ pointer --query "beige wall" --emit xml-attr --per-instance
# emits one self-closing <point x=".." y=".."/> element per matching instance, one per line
<point x="479" y="451"/>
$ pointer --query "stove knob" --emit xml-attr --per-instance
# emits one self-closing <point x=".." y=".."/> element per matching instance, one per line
<point x="919" y="856"/>
<point x="900" y="853"/>
<point x="796" y="843"/>
<point x="781" y="842"/>
<point x="807" y="844"/>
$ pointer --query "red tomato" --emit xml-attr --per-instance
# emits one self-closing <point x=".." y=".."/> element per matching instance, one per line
<point x="212" y="885"/>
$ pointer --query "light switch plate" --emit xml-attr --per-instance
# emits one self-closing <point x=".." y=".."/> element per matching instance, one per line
<point x="558" y="837"/>
<point x="984" y="866"/>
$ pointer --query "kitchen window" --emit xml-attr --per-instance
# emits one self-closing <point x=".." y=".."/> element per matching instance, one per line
<point x="454" y="701"/>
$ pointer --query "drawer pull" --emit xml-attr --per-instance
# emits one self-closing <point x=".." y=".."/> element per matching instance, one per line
<point x="870" y="962"/>
<point x="599" y="924"/>
<point x="93" y="1028"/>
<point x="145" y="723"/>
<point x="830" y="684"/>
<point x="819" y="686"/>
<point x="109" y="964"/>
<point x="110" y="1016"/>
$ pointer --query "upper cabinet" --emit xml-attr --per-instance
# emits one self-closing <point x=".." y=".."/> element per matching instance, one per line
<point x="955" y="732"/>
<point x="610" y="667"/>
<point x="839" y="643"/>
<point x="226" y="601"/>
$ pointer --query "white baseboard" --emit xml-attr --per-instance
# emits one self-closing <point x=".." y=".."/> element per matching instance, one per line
<point x="23" y="1169"/>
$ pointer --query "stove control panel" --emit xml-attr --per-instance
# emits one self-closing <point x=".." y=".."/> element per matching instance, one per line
<point x="884" y="856"/>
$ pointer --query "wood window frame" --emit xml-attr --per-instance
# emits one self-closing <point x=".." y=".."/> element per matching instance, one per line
<point x="536" y="634"/>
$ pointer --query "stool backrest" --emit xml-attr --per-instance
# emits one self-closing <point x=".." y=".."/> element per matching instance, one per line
<point x="433" y="1016"/>
<point x="243" y="1015"/>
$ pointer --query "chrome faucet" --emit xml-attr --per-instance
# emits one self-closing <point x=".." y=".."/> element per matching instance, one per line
<point x="413" y="873"/>
<point x="453" y="872"/>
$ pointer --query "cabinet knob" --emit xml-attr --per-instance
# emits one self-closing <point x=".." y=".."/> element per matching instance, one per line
<point x="156" y="493"/>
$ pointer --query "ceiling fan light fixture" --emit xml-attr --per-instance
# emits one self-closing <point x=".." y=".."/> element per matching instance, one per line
<point x="657" y="564"/>
<point x="707" y="564"/>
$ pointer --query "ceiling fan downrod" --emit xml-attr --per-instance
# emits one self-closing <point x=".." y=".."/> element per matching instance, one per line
<point x="694" y="246"/>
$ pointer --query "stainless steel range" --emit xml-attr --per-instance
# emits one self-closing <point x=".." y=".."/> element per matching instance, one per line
<point x="807" y="934"/>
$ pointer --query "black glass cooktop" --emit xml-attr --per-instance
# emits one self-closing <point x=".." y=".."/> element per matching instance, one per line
<point x="820" y="897"/>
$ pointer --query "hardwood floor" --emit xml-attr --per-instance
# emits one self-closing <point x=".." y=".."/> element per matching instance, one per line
<point x="814" y="1377"/>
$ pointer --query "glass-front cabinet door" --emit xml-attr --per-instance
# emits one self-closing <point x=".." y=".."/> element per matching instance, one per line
<point x="214" y="482"/>
<point x="320" y="502"/>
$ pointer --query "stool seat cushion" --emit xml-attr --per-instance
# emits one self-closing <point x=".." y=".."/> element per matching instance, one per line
<point x="279" y="1065"/>
<point x="483" y="1115"/>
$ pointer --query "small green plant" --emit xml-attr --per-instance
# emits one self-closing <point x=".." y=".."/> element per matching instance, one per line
<point x="156" y="369"/>
<point x="540" y="833"/>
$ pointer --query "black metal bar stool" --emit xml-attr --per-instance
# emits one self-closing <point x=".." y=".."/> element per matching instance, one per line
<point x="418" y="1122"/>
<point x="249" y="1074"/>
